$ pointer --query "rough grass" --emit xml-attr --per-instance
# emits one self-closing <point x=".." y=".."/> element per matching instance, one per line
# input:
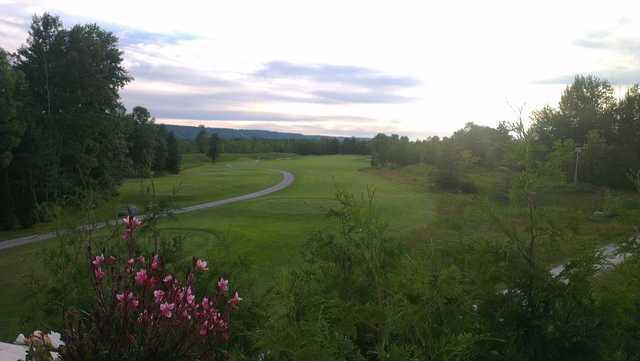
<point x="267" y="232"/>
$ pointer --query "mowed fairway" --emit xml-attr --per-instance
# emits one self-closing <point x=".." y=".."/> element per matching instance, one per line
<point x="268" y="231"/>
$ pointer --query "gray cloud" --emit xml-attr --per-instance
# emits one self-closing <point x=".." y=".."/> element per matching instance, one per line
<point x="176" y="75"/>
<point x="369" y="97"/>
<point x="235" y="92"/>
<point x="609" y="40"/>
<point x="614" y="76"/>
<point x="351" y="75"/>
<point x="215" y="107"/>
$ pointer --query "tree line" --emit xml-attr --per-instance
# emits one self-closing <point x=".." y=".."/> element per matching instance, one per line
<point x="63" y="129"/>
<point x="212" y="145"/>
<point x="589" y="120"/>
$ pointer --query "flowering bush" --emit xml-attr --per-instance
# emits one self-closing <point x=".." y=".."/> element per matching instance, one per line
<point x="143" y="312"/>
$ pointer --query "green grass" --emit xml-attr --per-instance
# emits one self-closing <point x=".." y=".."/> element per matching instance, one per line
<point x="268" y="231"/>
<point x="566" y="209"/>
<point x="199" y="181"/>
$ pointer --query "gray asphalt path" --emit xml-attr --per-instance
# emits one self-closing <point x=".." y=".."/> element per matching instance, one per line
<point x="287" y="180"/>
<point x="611" y="255"/>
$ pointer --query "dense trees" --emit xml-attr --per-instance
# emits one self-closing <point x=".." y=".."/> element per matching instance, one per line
<point x="588" y="119"/>
<point x="320" y="146"/>
<point x="174" y="158"/>
<point x="607" y="129"/>
<point x="63" y="129"/>
<point x="13" y="93"/>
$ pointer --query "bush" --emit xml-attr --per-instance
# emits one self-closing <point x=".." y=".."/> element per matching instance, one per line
<point x="453" y="182"/>
<point x="141" y="312"/>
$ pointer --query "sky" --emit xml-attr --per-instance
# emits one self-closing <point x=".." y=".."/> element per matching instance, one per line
<point x="416" y="68"/>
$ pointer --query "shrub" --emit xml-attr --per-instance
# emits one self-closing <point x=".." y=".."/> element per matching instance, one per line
<point x="141" y="312"/>
<point x="453" y="182"/>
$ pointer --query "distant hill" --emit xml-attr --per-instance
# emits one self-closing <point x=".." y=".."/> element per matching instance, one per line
<point x="189" y="132"/>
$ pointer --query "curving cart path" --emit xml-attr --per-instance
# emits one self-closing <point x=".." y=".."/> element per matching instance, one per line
<point x="287" y="180"/>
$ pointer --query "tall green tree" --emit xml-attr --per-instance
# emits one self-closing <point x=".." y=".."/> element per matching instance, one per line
<point x="173" y="154"/>
<point x="161" y="149"/>
<point x="143" y="141"/>
<point x="214" y="147"/>
<point x="74" y="77"/>
<point x="12" y="124"/>
<point x="202" y="140"/>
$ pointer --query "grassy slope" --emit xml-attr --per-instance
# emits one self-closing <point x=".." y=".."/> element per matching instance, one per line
<point x="569" y="210"/>
<point x="199" y="181"/>
<point x="268" y="231"/>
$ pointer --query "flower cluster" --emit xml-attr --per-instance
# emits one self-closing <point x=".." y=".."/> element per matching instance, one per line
<point x="140" y="306"/>
<point x="151" y="296"/>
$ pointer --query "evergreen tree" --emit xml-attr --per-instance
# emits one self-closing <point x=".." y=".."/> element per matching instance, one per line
<point x="173" y="154"/>
<point x="12" y="93"/>
<point x="214" y="144"/>
<point x="202" y="140"/>
<point x="161" y="149"/>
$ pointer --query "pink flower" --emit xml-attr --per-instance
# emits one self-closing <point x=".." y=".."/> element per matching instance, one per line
<point x="168" y="279"/>
<point x="155" y="263"/>
<point x="167" y="309"/>
<point x="98" y="273"/>
<point x="191" y="299"/>
<point x="201" y="265"/>
<point x="131" y="262"/>
<point x="127" y="299"/>
<point x="141" y="277"/>
<point x="141" y="259"/>
<point x="158" y="295"/>
<point x="131" y="224"/>
<point x="205" y="303"/>
<point x="98" y="260"/>
<point x="235" y="300"/>
<point x="223" y="285"/>
<point x="204" y="329"/>
<point x="186" y="315"/>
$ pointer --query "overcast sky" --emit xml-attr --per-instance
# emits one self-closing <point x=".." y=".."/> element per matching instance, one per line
<point x="416" y="68"/>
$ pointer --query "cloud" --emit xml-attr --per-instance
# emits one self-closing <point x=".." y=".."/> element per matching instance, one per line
<point x="129" y="36"/>
<point x="610" y="39"/>
<point x="216" y="90"/>
<point x="325" y="73"/>
<point x="219" y="107"/>
<point x="370" y="97"/>
<point x="614" y="76"/>
<point x="175" y="74"/>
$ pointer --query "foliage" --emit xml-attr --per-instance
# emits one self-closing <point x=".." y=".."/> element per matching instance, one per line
<point x="174" y="159"/>
<point x="64" y="130"/>
<point x="214" y="147"/>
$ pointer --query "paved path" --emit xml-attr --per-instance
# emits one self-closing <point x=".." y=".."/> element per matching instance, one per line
<point x="611" y="257"/>
<point x="287" y="180"/>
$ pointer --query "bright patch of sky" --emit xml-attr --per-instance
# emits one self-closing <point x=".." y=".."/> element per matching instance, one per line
<point x="416" y="68"/>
